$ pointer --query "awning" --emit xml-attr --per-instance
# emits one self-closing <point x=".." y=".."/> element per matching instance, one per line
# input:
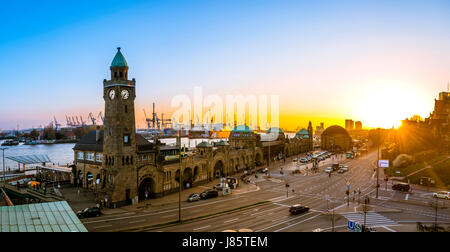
<point x="31" y="159"/>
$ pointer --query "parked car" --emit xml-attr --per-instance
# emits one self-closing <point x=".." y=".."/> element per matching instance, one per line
<point x="328" y="170"/>
<point x="220" y="186"/>
<point x="193" y="197"/>
<point x="294" y="160"/>
<point x="298" y="209"/>
<point x="442" y="195"/>
<point x="401" y="187"/>
<point x="264" y="170"/>
<point x="210" y="193"/>
<point x="303" y="160"/>
<point x="89" y="212"/>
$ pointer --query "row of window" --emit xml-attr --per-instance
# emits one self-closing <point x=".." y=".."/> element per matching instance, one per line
<point x="90" y="156"/>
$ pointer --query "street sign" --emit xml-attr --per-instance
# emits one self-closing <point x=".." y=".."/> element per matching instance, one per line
<point x="351" y="226"/>
<point x="383" y="163"/>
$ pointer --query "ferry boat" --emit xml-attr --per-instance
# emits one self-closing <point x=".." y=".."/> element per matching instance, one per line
<point x="10" y="143"/>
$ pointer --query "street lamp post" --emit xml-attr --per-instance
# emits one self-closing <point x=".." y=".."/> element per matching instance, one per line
<point x="180" y="182"/>
<point x="378" y="159"/>
<point x="4" y="172"/>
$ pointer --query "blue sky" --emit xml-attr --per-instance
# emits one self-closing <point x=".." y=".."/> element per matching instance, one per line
<point x="319" y="56"/>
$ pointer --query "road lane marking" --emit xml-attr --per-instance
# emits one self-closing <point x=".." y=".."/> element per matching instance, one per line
<point x="228" y="221"/>
<point x="168" y="216"/>
<point x="406" y="197"/>
<point x="284" y="222"/>
<point x="310" y="218"/>
<point x="272" y="209"/>
<point x="390" y="229"/>
<point x="102" y="226"/>
<point x="136" y="221"/>
<point x="195" y="229"/>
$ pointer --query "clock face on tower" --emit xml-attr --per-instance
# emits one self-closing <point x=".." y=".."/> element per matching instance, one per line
<point x="125" y="94"/>
<point x="112" y="94"/>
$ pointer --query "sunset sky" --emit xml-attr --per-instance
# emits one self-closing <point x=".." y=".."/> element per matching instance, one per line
<point x="372" y="61"/>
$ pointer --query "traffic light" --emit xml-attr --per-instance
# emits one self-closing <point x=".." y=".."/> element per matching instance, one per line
<point x="347" y="192"/>
<point x="287" y="185"/>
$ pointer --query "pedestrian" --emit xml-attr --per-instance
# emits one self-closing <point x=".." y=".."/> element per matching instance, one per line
<point x="78" y="193"/>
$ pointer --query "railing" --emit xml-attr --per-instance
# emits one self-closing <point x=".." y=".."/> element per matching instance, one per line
<point x="6" y="198"/>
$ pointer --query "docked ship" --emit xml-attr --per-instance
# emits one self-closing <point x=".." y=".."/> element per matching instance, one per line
<point x="10" y="143"/>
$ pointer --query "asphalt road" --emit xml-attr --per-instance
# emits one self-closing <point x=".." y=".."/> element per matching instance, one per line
<point x="316" y="190"/>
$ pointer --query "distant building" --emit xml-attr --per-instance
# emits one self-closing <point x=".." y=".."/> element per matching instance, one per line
<point x="320" y="129"/>
<point x="349" y="124"/>
<point x="336" y="138"/>
<point x="439" y="120"/>
<point x="358" y="125"/>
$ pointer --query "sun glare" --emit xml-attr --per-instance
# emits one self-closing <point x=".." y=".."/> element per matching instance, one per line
<point x="387" y="104"/>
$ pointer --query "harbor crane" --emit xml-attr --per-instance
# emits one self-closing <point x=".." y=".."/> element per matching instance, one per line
<point x="100" y="115"/>
<point x="56" y="123"/>
<point x="157" y="123"/>
<point x="91" y="117"/>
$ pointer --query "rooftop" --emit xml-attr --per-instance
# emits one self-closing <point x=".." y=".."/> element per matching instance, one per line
<point x="119" y="60"/>
<point x="40" y="217"/>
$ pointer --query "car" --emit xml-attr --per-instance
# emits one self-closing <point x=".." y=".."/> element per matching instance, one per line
<point x="298" y="209"/>
<point x="442" y="195"/>
<point x="401" y="187"/>
<point x="341" y="170"/>
<point x="328" y="170"/>
<point x="220" y="186"/>
<point x="294" y="160"/>
<point x="210" y="193"/>
<point x="304" y="160"/>
<point x="345" y="168"/>
<point x="264" y="170"/>
<point x="193" y="197"/>
<point x="89" y="212"/>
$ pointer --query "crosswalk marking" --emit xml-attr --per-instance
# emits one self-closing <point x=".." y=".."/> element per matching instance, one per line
<point x="372" y="219"/>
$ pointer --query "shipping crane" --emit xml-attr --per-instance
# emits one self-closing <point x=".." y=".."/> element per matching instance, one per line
<point x="91" y="117"/>
<point x="100" y="115"/>
<point x="56" y="123"/>
<point x="148" y="120"/>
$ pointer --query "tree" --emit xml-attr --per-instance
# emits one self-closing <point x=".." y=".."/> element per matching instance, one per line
<point x="416" y="118"/>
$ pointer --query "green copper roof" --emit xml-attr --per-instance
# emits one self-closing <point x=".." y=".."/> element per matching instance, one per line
<point x="242" y="128"/>
<point x="203" y="145"/>
<point x="275" y="129"/>
<point x="119" y="60"/>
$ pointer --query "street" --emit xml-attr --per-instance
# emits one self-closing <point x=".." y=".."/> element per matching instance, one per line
<point x="392" y="211"/>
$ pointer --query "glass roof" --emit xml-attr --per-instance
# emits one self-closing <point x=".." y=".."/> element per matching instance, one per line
<point x="40" y="217"/>
<point x="31" y="159"/>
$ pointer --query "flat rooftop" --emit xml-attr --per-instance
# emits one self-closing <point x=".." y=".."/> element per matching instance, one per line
<point x="40" y="217"/>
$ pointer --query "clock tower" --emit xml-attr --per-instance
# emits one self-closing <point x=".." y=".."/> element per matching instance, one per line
<point x="119" y="137"/>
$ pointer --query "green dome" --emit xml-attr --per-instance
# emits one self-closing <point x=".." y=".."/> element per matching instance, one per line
<point x="119" y="60"/>
<point x="242" y="128"/>
<point x="274" y="129"/>
<point x="303" y="133"/>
